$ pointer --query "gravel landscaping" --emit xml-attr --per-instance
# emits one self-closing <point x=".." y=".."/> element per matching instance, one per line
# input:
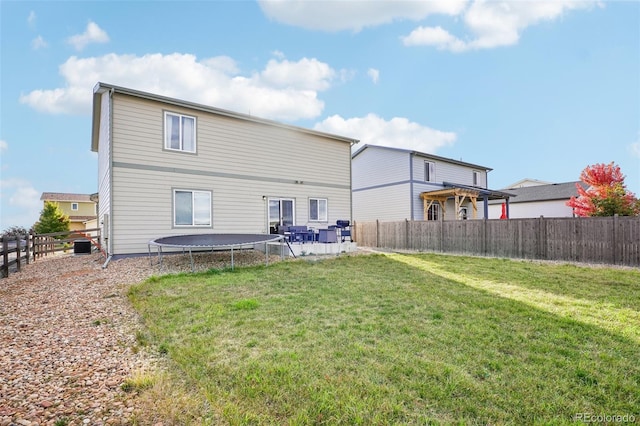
<point x="68" y="337"/>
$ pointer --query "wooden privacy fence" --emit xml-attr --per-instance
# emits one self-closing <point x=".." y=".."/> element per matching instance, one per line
<point x="609" y="240"/>
<point x="18" y="250"/>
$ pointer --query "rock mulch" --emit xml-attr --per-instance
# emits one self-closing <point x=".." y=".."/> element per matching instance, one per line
<point x="67" y="338"/>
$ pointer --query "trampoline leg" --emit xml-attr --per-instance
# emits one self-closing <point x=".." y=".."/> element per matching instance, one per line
<point x="232" y="258"/>
<point x="149" y="250"/>
<point x="191" y="258"/>
<point x="290" y="249"/>
<point x="151" y="256"/>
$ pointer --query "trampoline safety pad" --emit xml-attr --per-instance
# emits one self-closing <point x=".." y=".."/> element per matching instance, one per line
<point x="212" y="241"/>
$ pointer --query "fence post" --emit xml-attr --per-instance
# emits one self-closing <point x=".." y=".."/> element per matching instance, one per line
<point x="407" y="245"/>
<point x="484" y="233"/>
<point x="28" y="247"/>
<point x="35" y="245"/>
<point x="615" y="239"/>
<point x="539" y="241"/>
<point x="18" y="253"/>
<point x="5" y="258"/>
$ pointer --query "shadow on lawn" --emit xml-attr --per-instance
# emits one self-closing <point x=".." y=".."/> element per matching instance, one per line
<point x="560" y="355"/>
<point x="596" y="310"/>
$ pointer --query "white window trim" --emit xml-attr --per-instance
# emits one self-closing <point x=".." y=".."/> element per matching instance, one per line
<point x="193" y="192"/>
<point x="475" y="176"/>
<point x="326" y="210"/>
<point x="278" y="220"/>
<point x="74" y="206"/>
<point x="429" y="172"/>
<point x="167" y="142"/>
<point x="435" y="211"/>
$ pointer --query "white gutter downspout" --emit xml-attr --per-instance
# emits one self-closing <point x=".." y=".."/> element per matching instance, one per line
<point x="110" y="233"/>
<point x="106" y="263"/>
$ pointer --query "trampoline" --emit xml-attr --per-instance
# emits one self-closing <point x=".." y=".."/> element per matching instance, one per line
<point x="199" y="242"/>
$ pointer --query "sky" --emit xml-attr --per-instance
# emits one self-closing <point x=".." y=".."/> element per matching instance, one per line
<point x="531" y="89"/>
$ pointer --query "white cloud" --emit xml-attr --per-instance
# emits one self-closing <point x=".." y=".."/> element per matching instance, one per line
<point x="374" y="74"/>
<point x="433" y="36"/>
<point x="354" y="15"/>
<point x="305" y="74"/>
<point x="38" y="43"/>
<point x="31" y="19"/>
<point x="398" y="132"/>
<point x="3" y="145"/>
<point x="347" y="74"/>
<point x="494" y="24"/>
<point x="283" y="90"/>
<point x="489" y="24"/>
<point x="23" y="200"/>
<point x="93" y="34"/>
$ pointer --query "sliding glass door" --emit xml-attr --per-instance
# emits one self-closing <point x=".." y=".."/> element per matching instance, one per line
<point x="281" y="212"/>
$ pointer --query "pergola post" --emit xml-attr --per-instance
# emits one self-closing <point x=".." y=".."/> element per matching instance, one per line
<point x="485" y="207"/>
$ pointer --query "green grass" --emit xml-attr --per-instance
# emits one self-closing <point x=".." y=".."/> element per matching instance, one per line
<point x="401" y="339"/>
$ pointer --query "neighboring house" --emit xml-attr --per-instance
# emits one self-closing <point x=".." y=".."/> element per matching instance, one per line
<point x="528" y="182"/>
<point x="171" y="167"/>
<point x="81" y="208"/>
<point x="530" y="201"/>
<point x="391" y="184"/>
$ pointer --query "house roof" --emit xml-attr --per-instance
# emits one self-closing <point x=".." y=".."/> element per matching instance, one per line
<point x="552" y="192"/>
<point x="491" y="194"/>
<point x="422" y="154"/>
<point x="62" y="196"/>
<point x="101" y="88"/>
<point x="527" y="182"/>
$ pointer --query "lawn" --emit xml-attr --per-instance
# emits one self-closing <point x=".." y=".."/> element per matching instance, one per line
<point x="397" y="339"/>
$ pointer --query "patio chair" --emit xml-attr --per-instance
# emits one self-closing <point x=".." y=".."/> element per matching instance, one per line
<point x="283" y="229"/>
<point x="298" y="234"/>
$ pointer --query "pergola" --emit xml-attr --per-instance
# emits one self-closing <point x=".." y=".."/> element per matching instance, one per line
<point x="460" y="193"/>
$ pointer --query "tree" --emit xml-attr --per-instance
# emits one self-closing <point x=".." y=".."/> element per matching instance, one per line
<point x="606" y="194"/>
<point x="52" y="219"/>
<point x="15" y="232"/>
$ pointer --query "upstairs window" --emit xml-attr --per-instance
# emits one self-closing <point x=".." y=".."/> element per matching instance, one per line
<point x="429" y="171"/>
<point x="476" y="178"/>
<point x="179" y="132"/>
<point x="318" y="209"/>
<point x="74" y="206"/>
<point x="191" y="208"/>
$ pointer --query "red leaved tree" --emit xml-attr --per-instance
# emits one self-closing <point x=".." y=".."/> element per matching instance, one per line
<point x="606" y="195"/>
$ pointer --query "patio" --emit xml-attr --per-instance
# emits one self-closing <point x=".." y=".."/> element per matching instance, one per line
<point x="316" y="248"/>
<point x="303" y="240"/>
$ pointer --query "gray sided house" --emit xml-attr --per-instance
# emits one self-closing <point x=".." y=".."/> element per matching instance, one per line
<point x="391" y="184"/>
<point x="172" y="167"/>
<point x="535" y="200"/>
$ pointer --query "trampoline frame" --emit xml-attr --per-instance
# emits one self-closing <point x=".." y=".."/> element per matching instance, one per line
<point x="241" y="241"/>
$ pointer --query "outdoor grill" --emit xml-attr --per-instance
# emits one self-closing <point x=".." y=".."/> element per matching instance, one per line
<point x="342" y="223"/>
<point x="343" y="226"/>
